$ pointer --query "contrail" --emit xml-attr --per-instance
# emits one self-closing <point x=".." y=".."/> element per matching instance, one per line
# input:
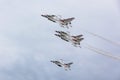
<point x="101" y="52"/>
<point x="110" y="41"/>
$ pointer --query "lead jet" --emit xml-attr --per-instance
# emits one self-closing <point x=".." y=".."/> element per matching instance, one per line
<point x="57" y="19"/>
<point x="75" y="40"/>
<point x="60" y="63"/>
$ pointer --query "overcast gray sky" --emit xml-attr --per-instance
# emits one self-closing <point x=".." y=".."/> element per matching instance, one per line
<point x="27" y="41"/>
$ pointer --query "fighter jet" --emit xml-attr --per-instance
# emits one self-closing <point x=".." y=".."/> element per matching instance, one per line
<point x="60" y="63"/>
<point x="52" y="18"/>
<point x="75" y="40"/>
<point x="66" y="22"/>
<point x="57" y="19"/>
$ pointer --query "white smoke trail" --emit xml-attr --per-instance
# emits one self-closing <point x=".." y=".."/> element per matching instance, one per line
<point x="108" y="54"/>
<point x="110" y="41"/>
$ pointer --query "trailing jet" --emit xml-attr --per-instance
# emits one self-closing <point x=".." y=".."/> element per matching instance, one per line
<point x="75" y="40"/>
<point x="60" y="63"/>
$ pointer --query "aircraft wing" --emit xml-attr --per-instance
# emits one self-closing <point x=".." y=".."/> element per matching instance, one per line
<point x="68" y="19"/>
<point x="69" y="63"/>
<point x="78" y="36"/>
<point x="57" y="63"/>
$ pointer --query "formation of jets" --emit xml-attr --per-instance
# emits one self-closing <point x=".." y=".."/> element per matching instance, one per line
<point x="60" y="63"/>
<point x="62" y="22"/>
<point x="75" y="40"/>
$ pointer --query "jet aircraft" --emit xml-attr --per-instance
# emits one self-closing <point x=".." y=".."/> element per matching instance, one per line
<point x="63" y="22"/>
<point x="60" y="63"/>
<point x="75" y="40"/>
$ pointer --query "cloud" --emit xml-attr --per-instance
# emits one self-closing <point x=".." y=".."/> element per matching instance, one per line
<point x="8" y="52"/>
<point x="27" y="41"/>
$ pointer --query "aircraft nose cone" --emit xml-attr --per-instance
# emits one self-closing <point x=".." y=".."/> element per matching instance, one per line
<point x="57" y="31"/>
<point x="43" y="15"/>
<point x="51" y="61"/>
<point x="56" y="35"/>
<point x="73" y="18"/>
